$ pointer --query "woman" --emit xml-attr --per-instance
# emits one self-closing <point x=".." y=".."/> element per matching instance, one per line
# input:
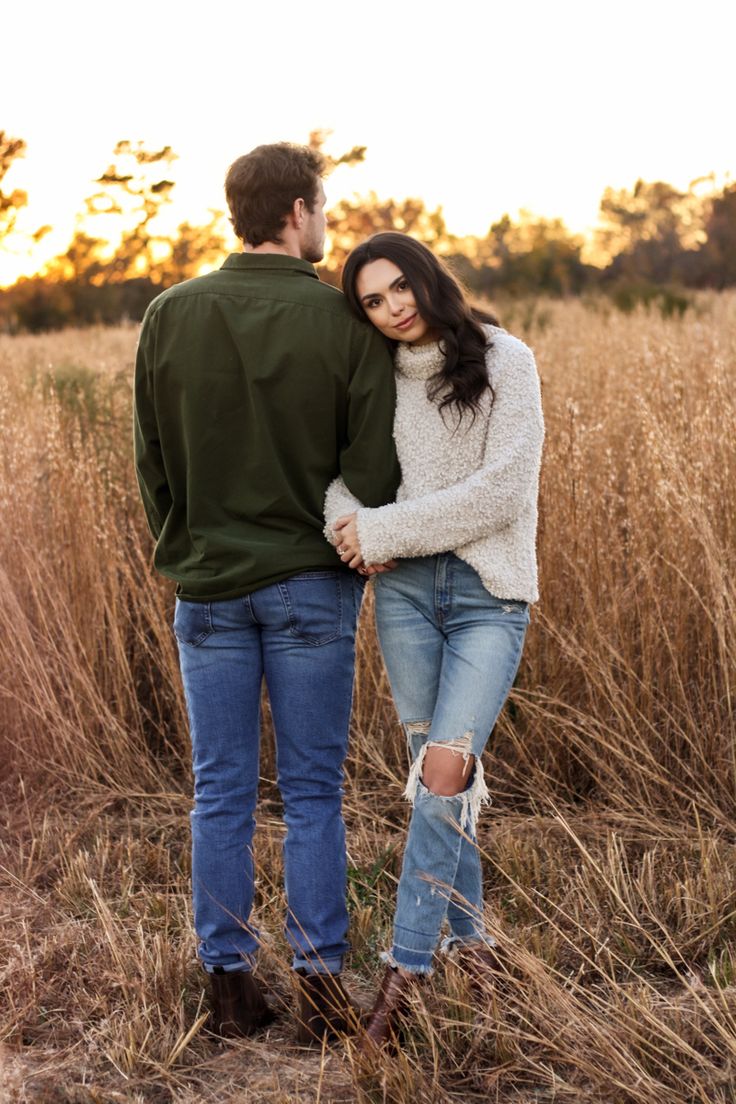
<point x="452" y="614"/>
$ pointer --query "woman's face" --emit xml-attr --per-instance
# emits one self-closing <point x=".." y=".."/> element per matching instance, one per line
<point x="388" y="302"/>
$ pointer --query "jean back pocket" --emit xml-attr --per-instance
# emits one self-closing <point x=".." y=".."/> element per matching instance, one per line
<point x="313" y="603"/>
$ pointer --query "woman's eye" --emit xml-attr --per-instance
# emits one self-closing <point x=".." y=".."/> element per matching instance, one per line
<point x="403" y="285"/>
<point x="372" y="303"/>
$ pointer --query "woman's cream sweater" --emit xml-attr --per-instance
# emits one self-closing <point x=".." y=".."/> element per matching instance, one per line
<point x="470" y="489"/>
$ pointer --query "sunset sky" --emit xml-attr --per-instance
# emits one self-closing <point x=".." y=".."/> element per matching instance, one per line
<point x="482" y="108"/>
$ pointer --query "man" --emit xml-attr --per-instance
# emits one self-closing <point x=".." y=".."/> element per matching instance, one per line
<point x="254" y="388"/>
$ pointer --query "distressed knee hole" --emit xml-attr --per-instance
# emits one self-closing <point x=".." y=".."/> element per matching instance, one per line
<point x="470" y="797"/>
<point x="442" y="773"/>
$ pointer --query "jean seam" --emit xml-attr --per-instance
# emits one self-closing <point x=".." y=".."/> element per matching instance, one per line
<point x="513" y="667"/>
<point x="441" y="590"/>
<point x="358" y="591"/>
<point x="248" y="603"/>
<point x="328" y="574"/>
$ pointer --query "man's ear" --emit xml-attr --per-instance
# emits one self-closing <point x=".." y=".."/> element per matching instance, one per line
<point x="297" y="212"/>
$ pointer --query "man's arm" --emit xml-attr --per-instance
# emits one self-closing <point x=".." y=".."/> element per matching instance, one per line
<point x="368" y="462"/>
<point x="149" y="463"/>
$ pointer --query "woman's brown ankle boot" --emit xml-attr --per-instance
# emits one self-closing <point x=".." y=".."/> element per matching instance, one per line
<point x="392" y="1001"/>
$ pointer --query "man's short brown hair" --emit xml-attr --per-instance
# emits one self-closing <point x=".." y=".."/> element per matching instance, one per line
<point x="261" y="188"/>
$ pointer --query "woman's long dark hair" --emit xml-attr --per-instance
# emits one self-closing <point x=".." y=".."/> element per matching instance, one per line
<point x="440" y="301"/>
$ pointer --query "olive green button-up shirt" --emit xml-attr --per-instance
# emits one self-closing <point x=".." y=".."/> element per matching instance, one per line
<point x="254" y="388"/>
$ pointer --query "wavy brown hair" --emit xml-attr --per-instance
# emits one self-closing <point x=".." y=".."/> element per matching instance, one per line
<point x="441" y="302"/>
<point x="262" y="186"/>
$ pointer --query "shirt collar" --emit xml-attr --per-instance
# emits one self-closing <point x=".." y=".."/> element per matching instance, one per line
<point x="270" y="262"/>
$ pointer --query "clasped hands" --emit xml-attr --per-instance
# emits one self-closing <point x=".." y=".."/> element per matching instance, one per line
<point x="347" y="544"/>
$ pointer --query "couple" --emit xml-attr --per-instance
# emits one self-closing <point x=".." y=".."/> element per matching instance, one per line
<point x="271" y="411"/>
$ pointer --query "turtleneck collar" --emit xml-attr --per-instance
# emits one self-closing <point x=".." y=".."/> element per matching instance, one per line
<point x="419" y="361"/>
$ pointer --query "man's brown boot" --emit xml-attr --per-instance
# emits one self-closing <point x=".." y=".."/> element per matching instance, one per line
<point x="391" y="1003"/>
<point x="325" y="1009"/>
<point x="238" y="1006"/>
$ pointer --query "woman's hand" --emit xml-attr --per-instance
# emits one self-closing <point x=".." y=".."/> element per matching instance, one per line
<point x="348" y="545"/>
<point x="377" y="569"/>
<point x="346" y="540"/>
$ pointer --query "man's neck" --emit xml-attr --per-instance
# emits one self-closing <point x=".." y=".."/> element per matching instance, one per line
<point x="282" y="248"/>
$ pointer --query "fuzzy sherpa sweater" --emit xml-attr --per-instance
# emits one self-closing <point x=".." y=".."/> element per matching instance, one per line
<point x="471" y="490"/>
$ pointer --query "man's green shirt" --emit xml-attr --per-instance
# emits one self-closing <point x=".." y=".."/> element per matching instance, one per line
<point x="254" y="388"/>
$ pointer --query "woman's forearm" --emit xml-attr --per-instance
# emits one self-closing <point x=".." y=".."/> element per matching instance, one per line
<point x="338" y="502"/>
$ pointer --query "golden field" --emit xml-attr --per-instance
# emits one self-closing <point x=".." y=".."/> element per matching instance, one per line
<point x="610" y="849"/>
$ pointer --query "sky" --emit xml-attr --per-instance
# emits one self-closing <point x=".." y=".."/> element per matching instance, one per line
<point x="482" y="108"/>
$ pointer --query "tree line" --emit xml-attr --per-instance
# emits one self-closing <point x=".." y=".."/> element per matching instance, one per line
<point x="654" y="243"/>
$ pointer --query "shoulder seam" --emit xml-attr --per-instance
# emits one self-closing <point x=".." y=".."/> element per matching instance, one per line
<point x="156" y="306"/>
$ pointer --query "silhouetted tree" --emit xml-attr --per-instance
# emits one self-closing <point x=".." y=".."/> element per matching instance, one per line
<point x="10" y="202"/>
<point x="84" y="261"/>
<point x="353" y="220"/>
<point x="353" y="156"/>
<point x="135" y="188"/>
<point x="650" y="211"/>
<point x="719" y="251"/>
<point x="521" y="258"/>
<point x="194" y="248"/>
<point x="647" y="232"/>
<point x="115" y="276"/>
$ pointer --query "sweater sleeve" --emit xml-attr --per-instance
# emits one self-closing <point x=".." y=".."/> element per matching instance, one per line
<point x="338" y="502"/>
<point x="149" y="465"/>
<point x="488" y="500"/>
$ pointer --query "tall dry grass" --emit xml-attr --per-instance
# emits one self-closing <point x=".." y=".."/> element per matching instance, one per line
<point x="610" y="850"/>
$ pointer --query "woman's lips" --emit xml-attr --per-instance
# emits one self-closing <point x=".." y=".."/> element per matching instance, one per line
<point x="406" y="323"/>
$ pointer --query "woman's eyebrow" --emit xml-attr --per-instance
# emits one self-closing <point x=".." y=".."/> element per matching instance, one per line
<point x="391" y="286"/>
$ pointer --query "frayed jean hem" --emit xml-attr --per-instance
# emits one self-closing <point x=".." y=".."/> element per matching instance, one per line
<point x="452" y="942"/>
<point x="395" y="963"/>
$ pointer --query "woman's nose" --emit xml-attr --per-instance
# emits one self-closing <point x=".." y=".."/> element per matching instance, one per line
<point x="395" y="305"/>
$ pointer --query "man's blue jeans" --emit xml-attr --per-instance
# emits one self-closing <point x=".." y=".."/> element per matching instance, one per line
<point x="451" y="651"/>
<point x="298" y="634"/>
